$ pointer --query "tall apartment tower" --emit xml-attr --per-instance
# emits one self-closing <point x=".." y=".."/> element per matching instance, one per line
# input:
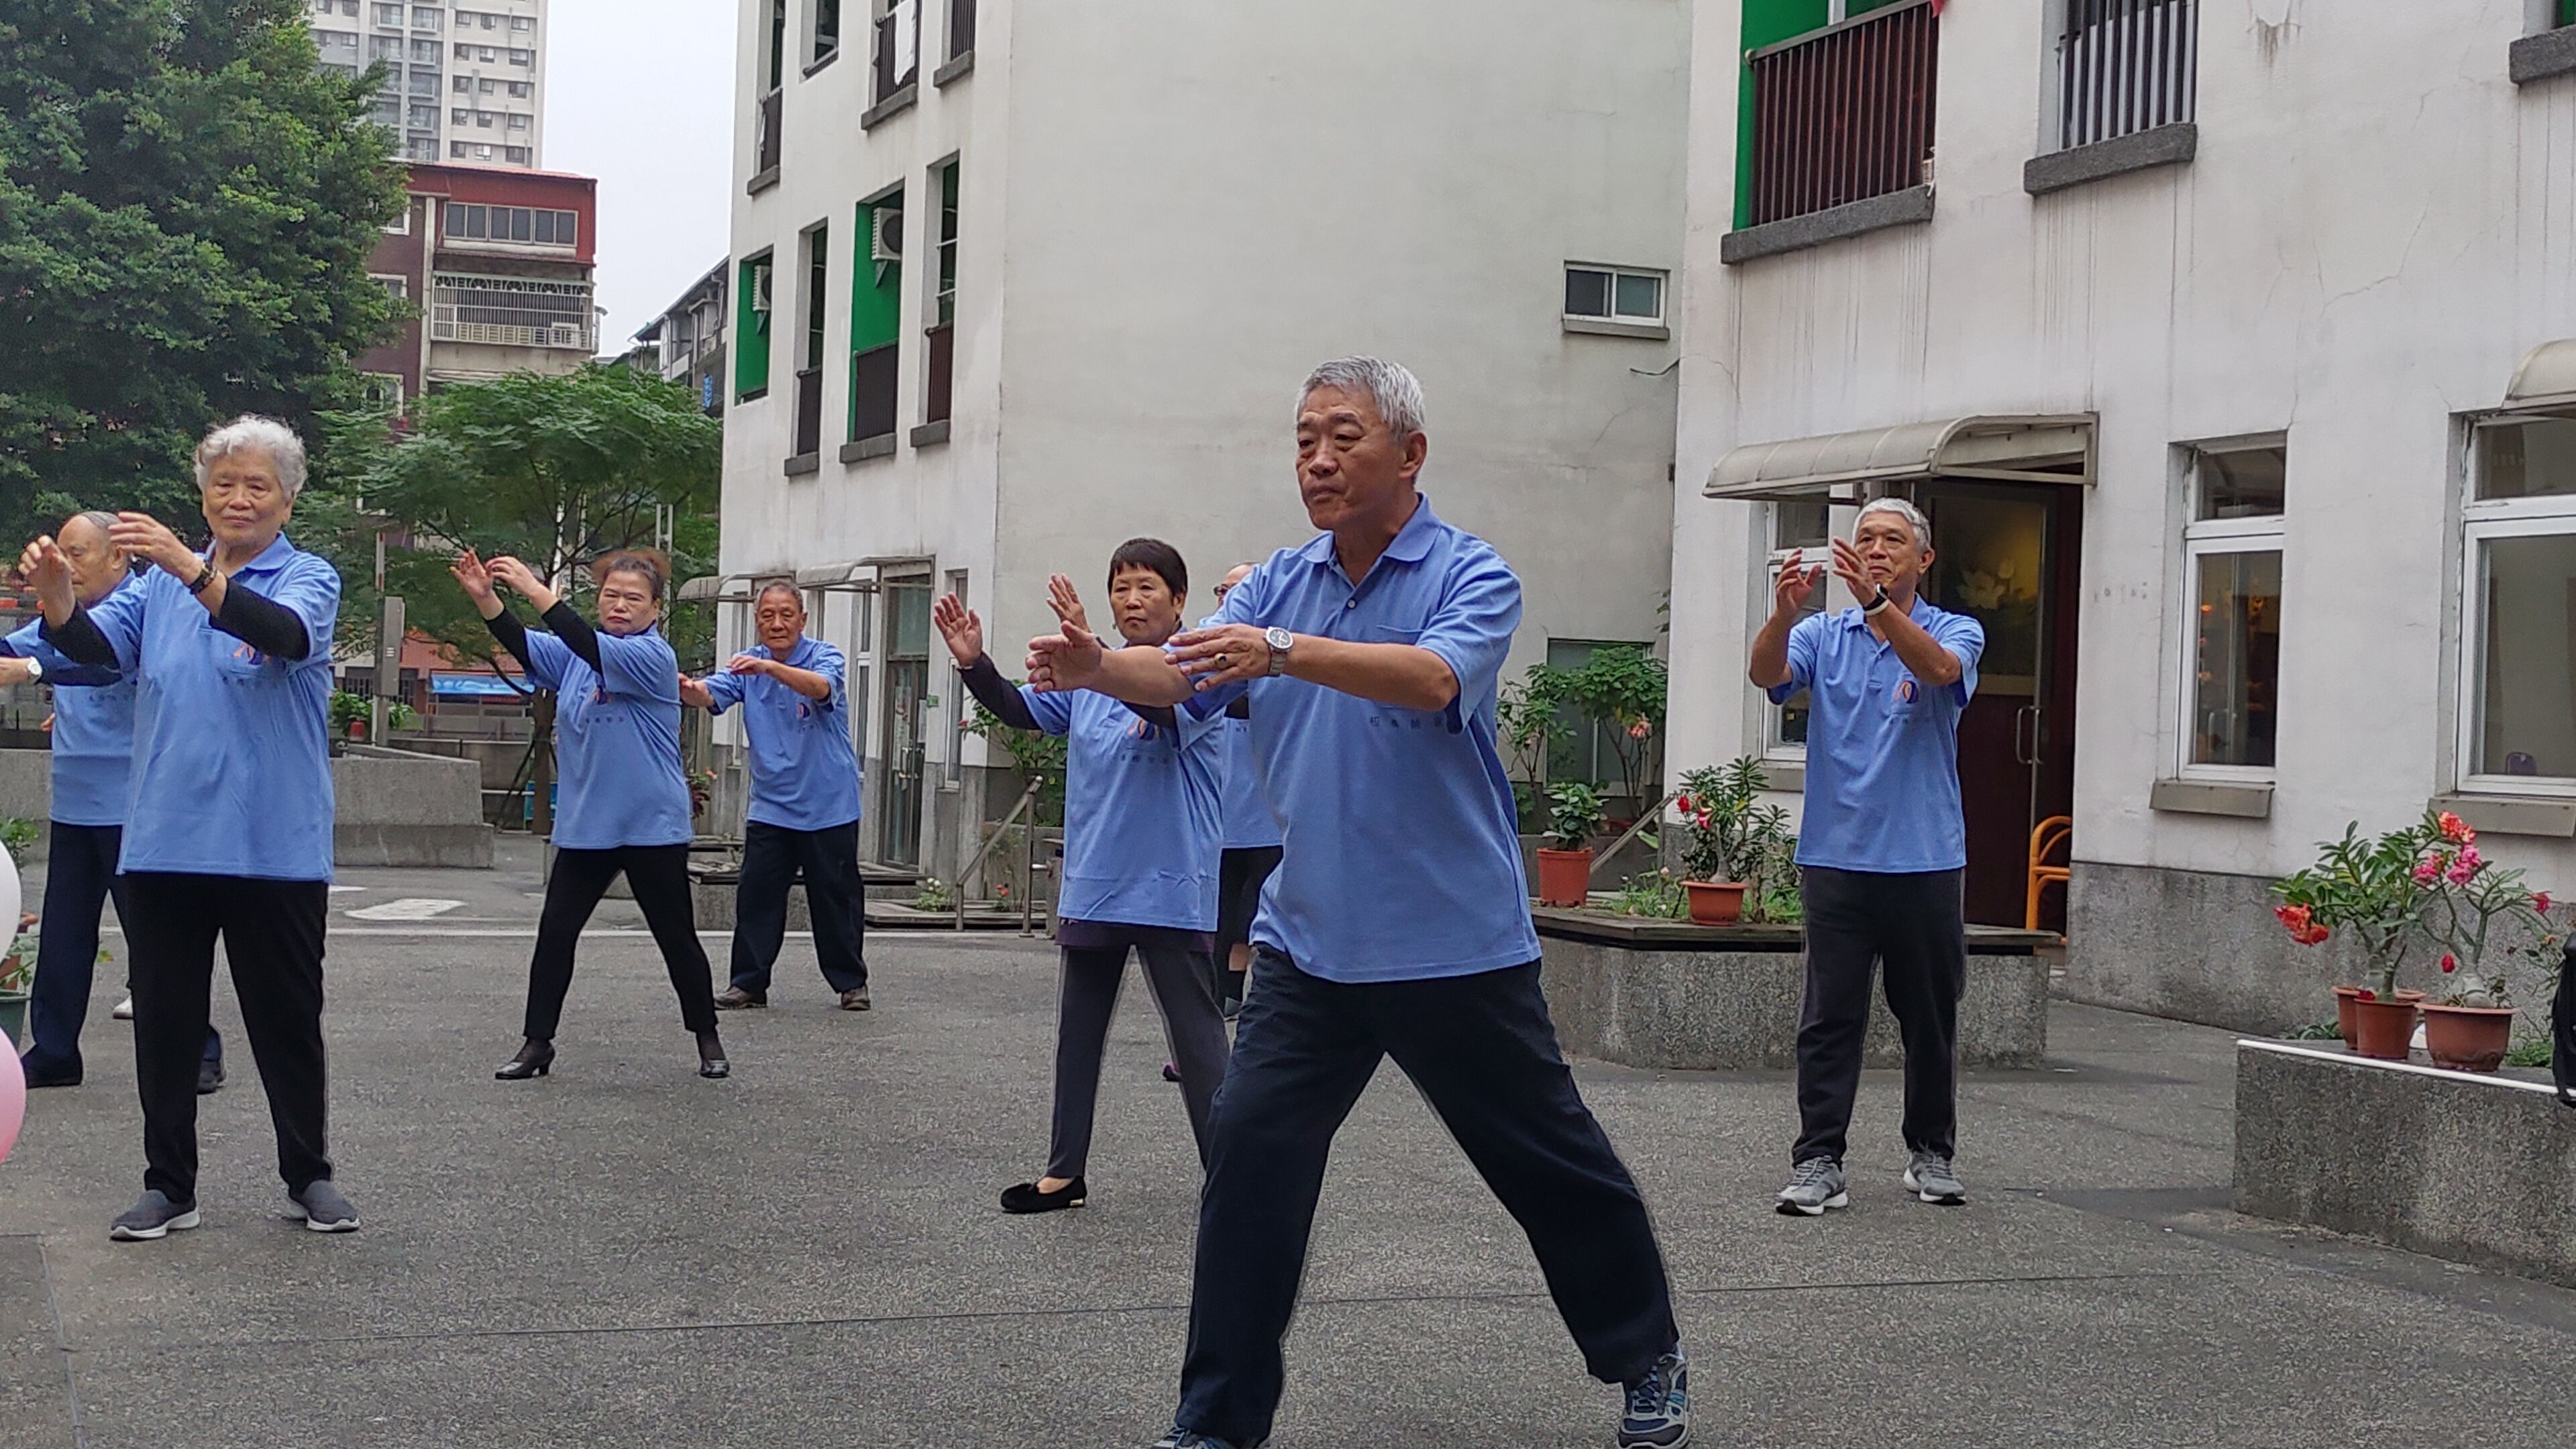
<point x="465" y="83"/>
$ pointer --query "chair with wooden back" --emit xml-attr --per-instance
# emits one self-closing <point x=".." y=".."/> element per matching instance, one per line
<point x="2052" y="835"/>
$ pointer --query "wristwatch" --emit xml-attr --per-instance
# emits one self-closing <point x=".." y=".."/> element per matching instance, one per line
<point x="205" y="576"/>
<point x="1874" y="605"/>
<point x="1279" y="640"/>
<point x="35" y="670"/>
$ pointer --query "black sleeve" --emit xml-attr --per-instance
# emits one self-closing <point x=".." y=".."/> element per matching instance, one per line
<point x="80" y="641"/>
<point x="995" y="693"/>
<point x="576" y="633"/>
<point x="505" y="626"/>
<point x="263" y="623"/>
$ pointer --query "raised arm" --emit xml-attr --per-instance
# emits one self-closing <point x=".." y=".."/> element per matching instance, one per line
<point x="1789" y="596"/>
<point x="1927" y="658"/>
<point x="804" y="681"/>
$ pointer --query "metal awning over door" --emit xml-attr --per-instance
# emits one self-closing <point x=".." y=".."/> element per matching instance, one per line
<point x="2054" y="448"/>
<point x="2546" y="381"/>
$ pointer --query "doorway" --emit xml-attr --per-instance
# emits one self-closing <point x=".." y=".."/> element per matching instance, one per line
<point x="907" y="667"/>
<point x="2008" y="555"/>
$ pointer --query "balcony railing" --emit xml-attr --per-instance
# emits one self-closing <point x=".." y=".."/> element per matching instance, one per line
<point x="809" y="412"/>
<point x="772" y="132"/>
<point x="1845" y="113"/>
<point x="898" y="52"/>
<point x="942" y="365"/>
<point x="2125" y="66"/>
<point x="872" y="393"/>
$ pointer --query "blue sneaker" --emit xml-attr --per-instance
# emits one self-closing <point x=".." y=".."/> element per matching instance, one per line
<point x="1181" y="1438"/>
<point x="1658" y="1412"/>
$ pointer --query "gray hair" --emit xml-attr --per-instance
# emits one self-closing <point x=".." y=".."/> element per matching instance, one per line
<point x="1394" y="389"/>
<point x="285" y="450"/>
<point x="98" y="518"/>
<point x="1912" y="515"/>
<point x="779" y="586"/>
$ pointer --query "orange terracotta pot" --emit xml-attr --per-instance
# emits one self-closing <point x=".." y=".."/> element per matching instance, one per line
<point x="2382" y="1029"/>
<point x="2467" y="1038"/>
<point x="1715" y="902"/>
<point x="1564" y="877"/>
<point x="2343" y="996"/>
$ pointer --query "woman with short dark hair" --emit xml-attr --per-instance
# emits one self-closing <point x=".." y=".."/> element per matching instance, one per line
<point x="1142" y="825"/>
<point x="624" y="803"/>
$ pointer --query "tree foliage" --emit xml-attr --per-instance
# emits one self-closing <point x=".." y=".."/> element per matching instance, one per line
<point x="187" y="206"/>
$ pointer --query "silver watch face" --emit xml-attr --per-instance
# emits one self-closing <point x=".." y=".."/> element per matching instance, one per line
<point x="1278" y="639"/>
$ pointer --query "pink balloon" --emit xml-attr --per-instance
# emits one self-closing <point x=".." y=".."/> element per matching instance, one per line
<point x="13" y="1102"/>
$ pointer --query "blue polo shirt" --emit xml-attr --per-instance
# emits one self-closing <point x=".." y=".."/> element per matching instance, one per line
<point x="1249" y="825"/>
<point x="93" y="734"/>
<point x="617" y="741"/>
<point x="1882" y="750"/>
<point x="1143" y="812"/>
<point x="1401" y="846"/>
<point x="804" y="772"/>
<point x="232" y="751"/>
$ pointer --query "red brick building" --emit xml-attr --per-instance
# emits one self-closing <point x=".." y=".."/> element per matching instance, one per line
<point x="499" y="263"/>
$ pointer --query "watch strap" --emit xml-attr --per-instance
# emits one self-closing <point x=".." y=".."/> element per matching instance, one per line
<point x="205" y="577"/>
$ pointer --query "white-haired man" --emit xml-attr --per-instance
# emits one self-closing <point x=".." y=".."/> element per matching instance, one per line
<point x="1397" y="923"/>
<point x="1883" y="841"/>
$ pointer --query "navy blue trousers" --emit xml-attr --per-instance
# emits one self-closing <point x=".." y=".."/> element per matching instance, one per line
<point x="80" y="875"/>
<point x="1483" y="1053"/>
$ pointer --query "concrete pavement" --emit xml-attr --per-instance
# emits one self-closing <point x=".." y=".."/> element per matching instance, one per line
<point x="810" y="1252"/>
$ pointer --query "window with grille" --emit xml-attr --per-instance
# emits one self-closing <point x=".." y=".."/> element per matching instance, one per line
<point x="511" y="311"/>
<point x="531" y="226"/>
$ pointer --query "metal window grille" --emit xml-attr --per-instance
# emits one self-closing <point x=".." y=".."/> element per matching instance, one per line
<point x="2125" y="66"/>
<point x="511" y="311"/>
<point x="1845" y="113"/>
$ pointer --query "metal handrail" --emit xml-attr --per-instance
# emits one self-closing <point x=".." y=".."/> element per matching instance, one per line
<point x="1000" y="826"/>
<point x="1826" y="32"/>
<point x="1642" y="821"/>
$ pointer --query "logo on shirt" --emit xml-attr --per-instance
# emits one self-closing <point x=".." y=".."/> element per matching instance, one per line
<point x="1906" y="691"/>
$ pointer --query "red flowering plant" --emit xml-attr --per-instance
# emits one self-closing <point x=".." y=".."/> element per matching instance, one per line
<point x="2483" y="917"/>
<point x="1729" y="835"/>
<point x="2371" y="888"/>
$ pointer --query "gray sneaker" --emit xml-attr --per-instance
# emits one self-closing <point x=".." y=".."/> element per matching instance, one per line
<point x="152" y="1216"/>
<point x="321" y="1208"/>
<point x="1814" y="1185"/>
<point x="1930" y="1178"/>
<point x="1190" y="1439"/>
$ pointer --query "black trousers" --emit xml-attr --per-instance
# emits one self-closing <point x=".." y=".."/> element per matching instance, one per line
<point x="772" y="857"/>
<point x="659" y="875"/>
<point x="1909" y="926"/>
<point x="1483" y="1053"/>
<point x="272" y="935"/>
<point x="80" y="876"/>
<point x="1088" y="998"/>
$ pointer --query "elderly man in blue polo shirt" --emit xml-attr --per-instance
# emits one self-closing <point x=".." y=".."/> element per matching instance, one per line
<point x="1397" y="923"/>
<point x="1883" y="842"/>
<point x="804" y="816"/>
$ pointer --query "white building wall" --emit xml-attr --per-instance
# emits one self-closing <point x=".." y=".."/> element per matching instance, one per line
<point x="2376" y="227"/>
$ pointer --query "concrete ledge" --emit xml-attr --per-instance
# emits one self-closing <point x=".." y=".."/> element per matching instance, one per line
<point x="2538" y="57"/>
<point x="1707" y="999"/>
<point x="1605" y="327"/>
<point x="466" y="847"/>
<point x="761" y="181"/>
<point x="821" y="65"/>
<point x="1789" y="777"/>
<point x="880" y="446"/>
<point x="930" y="434"/>
<point x="2546" y="816"/>
<point x="2139" y="151"/>
<point x="963" y="65"/>
<point x="2477" y="1169"/>
<point x="804" y="463"/>
<point x="2211" y="797"/>
<point x="1910" y="207"/>
<point x="889" y="108"/>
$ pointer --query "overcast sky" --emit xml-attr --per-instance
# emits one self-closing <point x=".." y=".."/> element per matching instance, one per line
<point x="639" y="93"/>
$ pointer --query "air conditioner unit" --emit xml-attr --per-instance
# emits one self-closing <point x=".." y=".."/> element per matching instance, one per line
<point x="885" y="235"/>
<point x="760" y="288"/>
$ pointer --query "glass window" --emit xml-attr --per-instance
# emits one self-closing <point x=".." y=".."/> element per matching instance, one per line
<point x="515" y="155"/>
<point x="456" y="150"/>
<point x="517" y="22"/>
<point x="424" y="118"/>
<point x="425" y="17"/>
<point x="389" y="16"/>
<point x="523" y="57"/>
<point x="427" y="50"/>
<point x="1587" y="292"/>
<point x="1614" y="294"/>
<point x="424" y="83"/>
<point x="2526" y="458"/>
<point x="2231" y="647"/>
<point x="384" y="47"/>
<point x="2519" y="679"/>
<point x="464" y="84"/>
<point x="1640" y="297"/>
<point x="2243" y="483"/>
<point x="457" y="116"/>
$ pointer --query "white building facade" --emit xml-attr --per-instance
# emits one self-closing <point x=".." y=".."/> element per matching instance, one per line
<point x="1015" y="283"/>
<point x="464" y="83"/>
<point x="2216" y="336"/>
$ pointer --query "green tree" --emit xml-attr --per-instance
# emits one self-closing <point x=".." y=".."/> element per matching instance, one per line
<point x="187" y="206"/>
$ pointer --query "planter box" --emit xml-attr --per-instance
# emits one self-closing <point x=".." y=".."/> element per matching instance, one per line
<point x="1672" y="994"/>
<point x="2467" y="1166"/>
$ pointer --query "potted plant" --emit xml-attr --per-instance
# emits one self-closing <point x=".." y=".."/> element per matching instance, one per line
<point x="2370" y="888"/>
<point x="1565" y="873"/>
<point x="2484" y="917"/>
<point x="1737" y="849"/>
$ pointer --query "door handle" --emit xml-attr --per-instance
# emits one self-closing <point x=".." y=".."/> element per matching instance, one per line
<point x="2026" y="726"/>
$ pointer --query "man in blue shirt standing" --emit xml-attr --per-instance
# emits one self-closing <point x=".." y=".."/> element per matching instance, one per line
<point x="1883" y="844"/>
<point x="804" y="815"/>
<point x="1397" y="923"/>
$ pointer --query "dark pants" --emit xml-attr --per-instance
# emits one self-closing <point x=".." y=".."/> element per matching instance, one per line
<point x="2562" y="1029"/>
<point x="659" y="875"/>
<point x="80" y="875"/>
<point x="272" y="935"/>
<point x="1240" y="874"/>
<point x="1088" y="998"/>
<point x="1483" y="1053"/>
<point x="772" y="857"/>
<point x="1910" y="927"/>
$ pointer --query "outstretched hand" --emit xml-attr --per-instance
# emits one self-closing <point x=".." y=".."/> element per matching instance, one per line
<point x="1062" y="662"/>
<point x="1796" y="586"/>
<point x="470" y="571"/>
<point x="695" y="694"/>
<point x="1226" y="654"/>
<point x="1067" y="603"/>
<point x="1849" y="567"/>
<point x="958" y="625"/>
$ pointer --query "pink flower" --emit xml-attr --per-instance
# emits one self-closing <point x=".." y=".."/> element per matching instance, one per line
<point x="2365" y="994"/>
<point x="1640" y="730"/>
<point x="2464" y="869"/>
<point x="2450" y="963"/>
<point x="2454" y="828"/>
<point x="2312" y="936"/>
<point x="2428" y="871"/>
<point x="2540" y="903"/>
<point x="1685" y="804"/>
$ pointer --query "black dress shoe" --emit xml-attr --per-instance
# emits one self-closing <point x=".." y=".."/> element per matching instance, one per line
<point x="40" y="1075"/>
<point x="711" y="1058"/>
<point x="210" y="1076"/>
<point x="1025" y="1198"/>
<point x="532" y="1061"/>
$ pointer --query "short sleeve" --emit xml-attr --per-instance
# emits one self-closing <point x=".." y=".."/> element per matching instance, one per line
<point x="829" y="663"/>
<point x="726" y="687"/>
<point x="119" y="617"/>
<point x="1803" y="639"/>
<point x="1965" y="638"/>
<point x="641" y="665"/>
<point x="549" y="660"/>
<point x="1052" y="711"/>
<point x="309" y="587"/>
<point x="1471" y="627"/>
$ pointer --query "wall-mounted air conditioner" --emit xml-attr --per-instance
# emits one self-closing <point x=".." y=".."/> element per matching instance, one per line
<point x="885" y="235"/>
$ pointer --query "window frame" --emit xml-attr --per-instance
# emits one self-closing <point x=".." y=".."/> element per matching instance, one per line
<point x="2547" y="515"/>
<point x="2221" y="538"/>
<point x="1661" y="277"/>
<point x="1774" y="747"/>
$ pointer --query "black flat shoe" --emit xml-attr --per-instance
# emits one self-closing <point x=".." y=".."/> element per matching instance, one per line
<point x="1025" y="1198"/>
<point x="44" y="1076"/>
<point x="711" y="1058"/>
<point x="532" y="1061"/>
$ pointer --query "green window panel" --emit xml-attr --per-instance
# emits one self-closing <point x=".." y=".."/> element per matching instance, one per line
<point x="751" y="340"/>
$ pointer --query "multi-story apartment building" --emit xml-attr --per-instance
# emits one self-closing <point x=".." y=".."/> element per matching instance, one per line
<point x="2231" y="356"/>
<point x="686" y="344"/>
<point x="463" y="82"/>
<point x="499" y="261"/>
<point x="1016" y="282"/>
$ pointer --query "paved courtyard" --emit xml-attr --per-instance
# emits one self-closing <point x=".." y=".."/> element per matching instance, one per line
<point x="810" y="1254"/>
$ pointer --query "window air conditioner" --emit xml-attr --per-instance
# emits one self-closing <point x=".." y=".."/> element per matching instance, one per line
<point x="760" y="288"/>
<point x="885" y="235"/>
